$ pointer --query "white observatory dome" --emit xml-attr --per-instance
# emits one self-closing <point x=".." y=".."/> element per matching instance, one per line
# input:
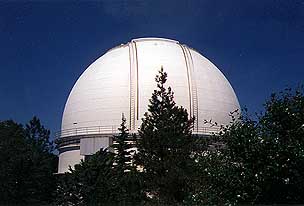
<point x="122" y="81"/>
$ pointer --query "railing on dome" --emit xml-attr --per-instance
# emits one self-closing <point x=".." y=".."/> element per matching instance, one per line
<point x="87" y="131"/>
<point x="82" y="131"/>
<point x="207" y="130"/>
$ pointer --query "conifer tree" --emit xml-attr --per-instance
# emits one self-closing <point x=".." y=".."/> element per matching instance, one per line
<point x="27" y="165"/>
<point x="43" y="163"/>
<point x="165" y="145"/>
<point x="38" y="136"/>
<point x="105" y="178"/>
<point x="91" y="182"/>
<point x="127" y="177"/>
<point x="122" y="148"/>
<point x="262" y="161"/>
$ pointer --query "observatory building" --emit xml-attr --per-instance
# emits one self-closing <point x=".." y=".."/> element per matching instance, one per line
<point x="123" y="80"/>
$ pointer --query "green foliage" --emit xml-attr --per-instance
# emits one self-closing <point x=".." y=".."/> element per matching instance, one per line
<point x="165" y="145"/>
<point x="38" y="136"/>
<point x="122" y="149"/>
<point x="128" y="178"/>
<point x="282" y="130"/>
<point x="26" y="171"/>
<point x="261" y="161"/>
<point x="103" y="178"/>
<point x="251" y="161"/>
<point x="43" y="162"/>
<point x="91" y="182"/>
<point x="13" y="163"/>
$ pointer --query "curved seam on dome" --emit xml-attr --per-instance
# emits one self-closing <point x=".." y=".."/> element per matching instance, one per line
<point x="134" y="90"/>
<point x="131" y="90"/>
<point x="188" y="80"/>
<point x="131" y="84"/>
<point x="155" y="39"/>
<point x="137" y="88"/>
<point x="194" y="89"/>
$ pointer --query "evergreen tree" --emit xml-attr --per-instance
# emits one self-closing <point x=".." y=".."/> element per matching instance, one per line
<point x="14" y="165"/>
<point x="282" y="129"/>
<point x="262" y="161"/>
<point x="165" y="146"/>
<point x="43" y="162"/>
<point x="91" y="182"/>
<point x="39" y="136"/>
<point x="103" y="179"/>
<point x="122" y="149"/>
<point x="26" y="172"/>
<point x="128" y="179"/>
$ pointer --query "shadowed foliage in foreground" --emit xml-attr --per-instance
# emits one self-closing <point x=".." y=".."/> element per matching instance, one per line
<point x="261" y="160"/>
<point x="27" y="164"/>
<point x="256" y="160"/>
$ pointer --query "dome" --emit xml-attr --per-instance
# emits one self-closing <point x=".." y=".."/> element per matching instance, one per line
<point x="123" y="80"/>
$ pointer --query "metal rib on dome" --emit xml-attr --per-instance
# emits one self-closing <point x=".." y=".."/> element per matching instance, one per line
<point x="133" y="84"/>
<point x="191" y="84"/>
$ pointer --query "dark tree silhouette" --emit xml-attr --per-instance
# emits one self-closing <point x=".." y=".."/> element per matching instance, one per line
<point x="92" y="182"/>
<point x="263" y="159"/>
<point x="122" y="148"/>
<point x="104" y="178"/>
<point x="164" y="145"/>
<point x="27" y="166"/>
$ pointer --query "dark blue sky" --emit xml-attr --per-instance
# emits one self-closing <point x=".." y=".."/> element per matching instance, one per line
<point x="44" y="46"/>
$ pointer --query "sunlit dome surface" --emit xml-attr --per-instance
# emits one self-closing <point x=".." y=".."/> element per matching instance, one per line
<point x="122" y="81"/>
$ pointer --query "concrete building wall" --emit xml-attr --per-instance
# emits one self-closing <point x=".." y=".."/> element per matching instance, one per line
<point x="68" y="158"/>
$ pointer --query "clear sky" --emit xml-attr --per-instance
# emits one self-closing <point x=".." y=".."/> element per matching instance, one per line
<point x="46" y="45"/>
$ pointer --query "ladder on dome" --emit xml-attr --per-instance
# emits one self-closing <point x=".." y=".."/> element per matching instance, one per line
<point x="194" y="98"/>
<point x="133" y="84"/>
<point x="195" y="106"/>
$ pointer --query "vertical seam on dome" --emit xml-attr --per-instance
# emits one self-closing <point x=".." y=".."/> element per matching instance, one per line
<point x="133" y="86"/>
<point x="130" y="124"/>
<point x="194" y="90"/>
<point x="137" y="88"/>
<point x="189" y="89"/>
